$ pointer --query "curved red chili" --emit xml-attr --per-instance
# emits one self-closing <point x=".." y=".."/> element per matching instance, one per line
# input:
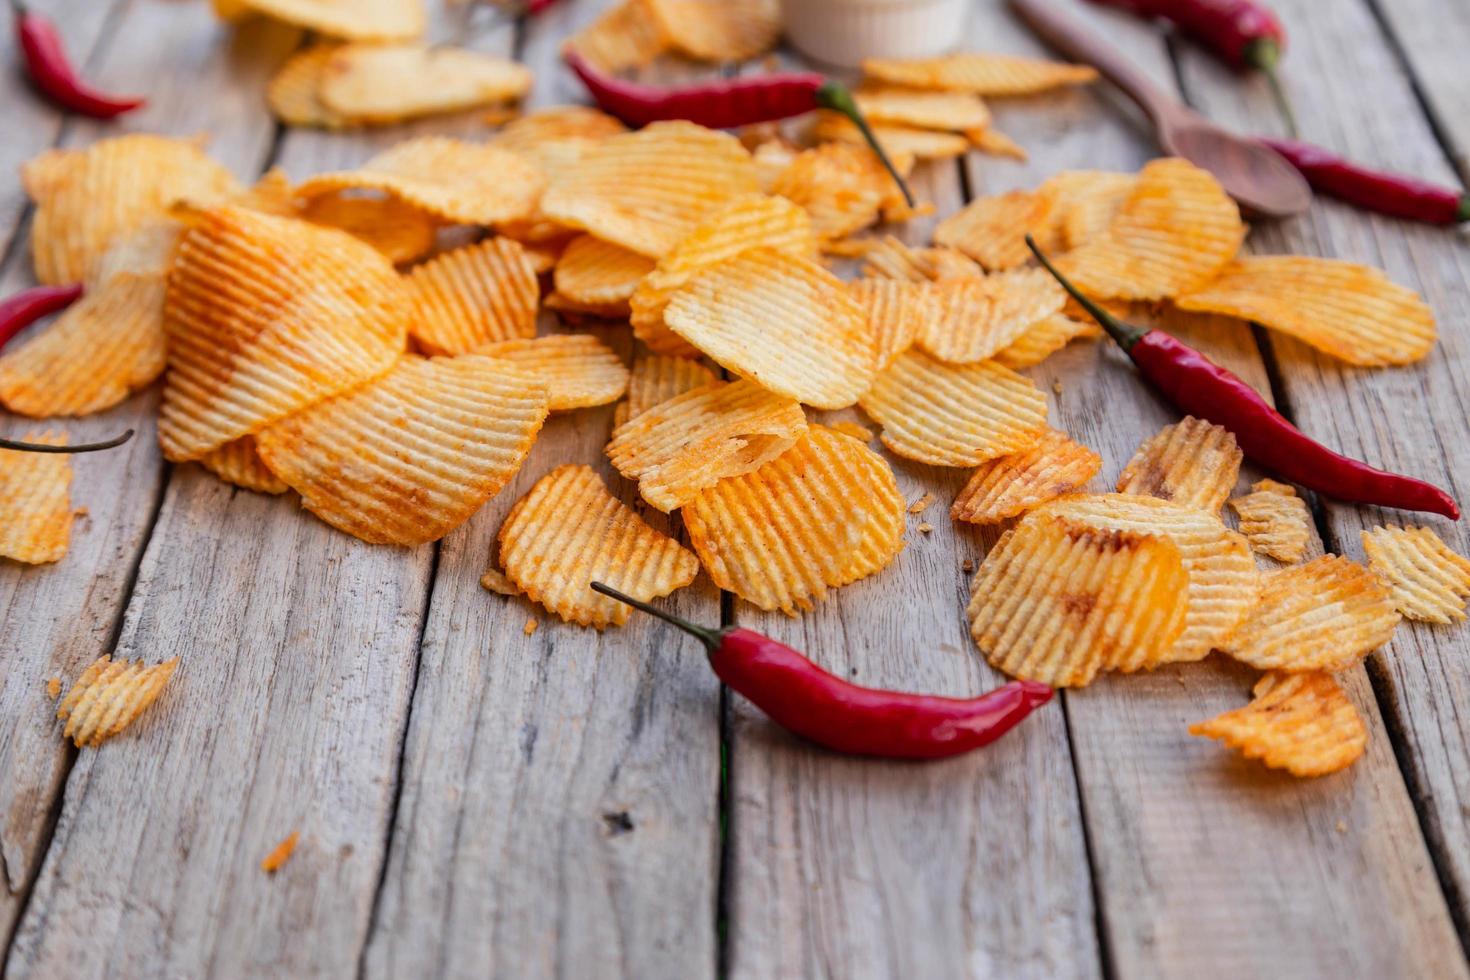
<point x="727" y="103"/>
<point x="823" y="708"/>
<point x="51" y="71"/>
<point x="29" y="305"/>
<point x="1374" y="190"/>
<point x="85" y="447"/>
<point x="1200" y="387"/>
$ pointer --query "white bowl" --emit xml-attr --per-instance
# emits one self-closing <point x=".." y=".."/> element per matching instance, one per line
<point x="844" y="32"/>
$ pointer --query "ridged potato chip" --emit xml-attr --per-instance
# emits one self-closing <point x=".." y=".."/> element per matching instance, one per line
<point x="982" y="74"/>
<point x="954" y="414"/>
<point x="1350" y="311"/>
<point x="1176" y="231"/>
<point x="237" y="463"/>
<point x="1303" y="723"/>
<point x="842" y="187"/>
<point x="1056" y="601"/>
<point x="599" y="273"/>
<point x="951" y="111"/>
<point x="384" y="83"/>
<point x="396" y="228"/>
<point x="473" y="295"/>
<point x="655" y="379"/>
<point x="579" y="370"/>
<point x="294" y="93"/>
<point x="979" y="318"/>
<point x="1044" y="338"/>
<point x="265" y="316"/>
<point x="783" y="321"/>
<point x="109" y="696"/>
<point x="568" y="532"/>
<point x="409" y="457"/>
<point x="649" y="189"/>
<point x="1324" y="615"/>
<point x="1191" y="462"/>
<point x="1086" y="201"/>
<point x="691" y="441"/>
<point x="897" y="141"/>
<point x="1008" y="486"/>
<point x="579" y="311"/>
<point x="625" y="36"/>
<point x="1274" y="520"/>
<point x="824" y="513"/>
<point x="87" y="198"/>
<point x="992" y="230"/>
<point x="354" y="20"/>
<point x="890" y="258"/>
<point x="529" y="134"/>
<point x="897" y="311"/>
<point x="719" y="30"/>
<point x="469" y="183"/>
<point x="146" y="252"/>
<point x="35" y="497"/>
<point x="1429" y="581"/>
<point x="996" y="143"/>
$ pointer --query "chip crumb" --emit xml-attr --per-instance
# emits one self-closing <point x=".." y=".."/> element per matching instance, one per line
<point x="925" y="528"/>
<point x="922" y="504"/>
<point x="280" y="854"/>
<point x="53" y="688"/>
<point x="530" y="626"/>
<point x="81" y="512"/>
<point x="967" y="565"/>
<point x="1341" y="827"/>
<point x="494" y="580"/>
<point x="1056" y="387"/>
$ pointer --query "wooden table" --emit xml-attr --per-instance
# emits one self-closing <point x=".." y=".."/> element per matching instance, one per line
<point x="474" y="801"/>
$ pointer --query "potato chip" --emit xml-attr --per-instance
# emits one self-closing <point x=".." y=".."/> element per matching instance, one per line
<point x="992" y="230"/>
<point x="1008" y="486"/>
<point x="294" y="93"/>
<point x="1275" y="521"/>
<point x="1223" y="579"/>
<point x="579" y="370"/>
<point x="35" y="497"/>
<point x="626" y="35"/>
<point x="657" y="378"/>
<point x="494" y="580"/>
<point x="384" y="83"/>
<point x="606" y="311"/>
<point x="529" y="134"/>
<point x="266" y="315"/>
<point x="951" y="111"/>
<point x="1056" y="601"/>
<point x="1175" y="232"/>
<point x="997" y="144"/>
<point x="896" y="312"/>
<point x="1191" y="462"/>
<point x="146" y="252"/>
<point x="109" y="696"/>
<point x="409" y="457"/>
<point x="231" y="11"/>
<point x="1042" y="339"/>
<point x="781" y="320"/>
<point x="689" y="442"/>
<point x="1324" y="615"/>
<point x="1303" y="723"/>
<point x="238" y="464"/>
<point x="1428" y="580"/>
<point x="982" y="74"/>
<point x="598" y="273"/>
<point x="719" y="30"/>
<point x="1352" y="312"/>
<point x="469" y="183"/>
<point x="647" y="190"/>
<point x="859" y="432"/>
<point x="897" y="141"/>
<point x="842" y="187"/>
<point x="474" y="295"/>
<point x="396" y="228"/>
<point x="543" y="256"/>
<point x="824" y="513"/>
<point x="86" y="198"/>
<point x="568" y="532"/>
<point x="951" y="414"/>
<point x="354" y="20"/>
<point x="979" y="318"/>
<point x="890" y="258"/>
<point x="1087" y="201"/>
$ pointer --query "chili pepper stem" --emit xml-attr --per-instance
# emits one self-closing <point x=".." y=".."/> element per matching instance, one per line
<point x="18" y="8"/>
<point x="1125" y="335"/>
<point x="1462" y="213"/>
<point x="836" y="97"/>
<point x="710" y="638"/>
<point x="86" y="447"/>
<point x="1264" y="54"/>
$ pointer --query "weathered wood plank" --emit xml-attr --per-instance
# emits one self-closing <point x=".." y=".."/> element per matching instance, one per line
<point x="1432" y="36"/>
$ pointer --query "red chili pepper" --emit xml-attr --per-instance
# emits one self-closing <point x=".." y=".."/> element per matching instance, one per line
<point x="1374" y="190"/>
<point x="86" y="447"/>
<point x="822" y="707"/>
<point x="727" y="103"/>
<point x="534" y="7"/>
<point x="1200" y="387"/>
<point x="51" y="72"/>
<point x="29" y="305"/>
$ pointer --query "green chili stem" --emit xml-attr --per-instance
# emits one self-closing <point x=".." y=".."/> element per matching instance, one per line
<point x="835" y="96"/>
<point x="1125" y="335"/>
<point x="710" y="638"/>
<point x="88" y="447"/>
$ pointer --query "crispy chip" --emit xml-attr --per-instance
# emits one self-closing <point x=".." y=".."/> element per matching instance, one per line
<point x="238" y="463"/>
<point x="1303" y="723"/>
<point x="979" y="318"/>
<point x="825" y="513"/>
<point x="383" y="83"/>
<point x="1044" y="338"/>
<point x="396" y="228"/>
<point x="1353" y="312"/>
<point x="470" y="183"/>
<point x="982" y="74"/>
<point x="657" y="378"/>
<point x="896" y="312"/>
<point x="952" y="111"/>
<point x="1324" y="615"/>
<point x="568" y="532"/>
<point x="280" y="854"/>
<point x="992" y="230"/>
<point x="87" y="198"/>
<point x="264" y="316"/>
<point x="1191" y="462"/>
<point x="1429" y="581"/>
<point x="954" y="415"/>
<point x="719" y="30"/>
<point x="1008" y="486"/>
<point x="606" y="311"/>
<point x="649" y="189"/>
<point x="409" y="457"/>
<point x="897" y="141"/>
<point x="627" y="35"/>
<point x="146" y="252"/>
<point x="598" y="273"/>
<point x="890" y="258"/>
<point x="494" y="580"/>
<point x="1175" y="231"/>
<point x="109" y="697"/>
<point x="543" y="256"/>
<point x="1056" y="601"/>
<point x="529" y="134"/>
<point x="475" y="295"/>
<point x="858" y="432"/>
<point x="579" y="370"/>
<point x="355" y="20"/>
<point x="996" y="143"/>
<point x="842" y="187"/>
<point x="1275" y="521"/>
<point x="689" y="442"/>
<point x="781" y="320"/>
<point x="35" y="497"/>
<point x="294" y="94"/>
<point x="1086" y="201"/>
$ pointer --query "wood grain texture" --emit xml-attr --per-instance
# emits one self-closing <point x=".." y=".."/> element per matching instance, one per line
<point x="1432" y="38"/>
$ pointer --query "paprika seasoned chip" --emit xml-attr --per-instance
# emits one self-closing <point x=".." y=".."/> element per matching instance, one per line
<point x="953" y="414"/>
<point x="657" y="378"/>
<point x="1428" y="580"/>
<point x="1275" y="520"/>
<point x="605" y="311"/>
<point x="294" y="94"/>
<point x="1324" y="615"/>
<point x="896" y="312"/>
<point x="890" y="258"/>
<point x="1008" y="486"/>
<point x="355" y="20"/>
<point x="781" y="320"/>
<point x="265" y="316"/>
<point x="409" y="457"/>
<point x="996" y="143"/>
<point x="474" y="295"/>
<point x="529" y="134"/>
<point x="719" y="30"/>
<point x="992" y="230"/>
<point x="384" y="83"/>
<point x="824" y="513"/>
<point x="921" y="109"/>
<point x="897" y="141"/>
<point x="238" y="464"/>
<point x="35" y="497"/>
<point x="1056" y="601"/>
<point x="691" y="441"/>
<point x="394" y="227"/>
<point x="109" y="696"/>
<point x="979" y="318"/>
<point x="842" y="187"/>
<point x="1086" y="201"/>
<point x="598" y="273"/>
<point x="494" y="580"/>
<point x="627" y="35"/>
<point x="1042" y="339"/>
<point x="982" y="74"/>
<point x="1191" y="462"/>
<point x="1350" y="311"/>
<point x="1303" y="723"/>
<point x="579" y="370"/>
<point x="568" y="532"/>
